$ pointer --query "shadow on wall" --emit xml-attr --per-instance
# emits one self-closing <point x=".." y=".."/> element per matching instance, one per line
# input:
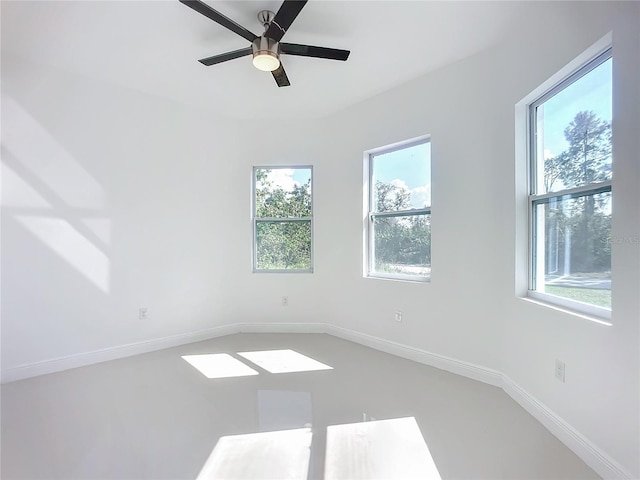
<point x="53" y="197"/>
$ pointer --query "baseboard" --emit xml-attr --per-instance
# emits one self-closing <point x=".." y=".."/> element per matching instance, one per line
<point x="593" y="456"/>
<point x="459" y="367"/>
<point x="59" y="364"/>
<point x="442" y="362"/>
<point x="282" y="327"/>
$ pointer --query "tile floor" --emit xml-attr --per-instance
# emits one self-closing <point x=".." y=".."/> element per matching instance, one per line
<point x="156" y="416"/>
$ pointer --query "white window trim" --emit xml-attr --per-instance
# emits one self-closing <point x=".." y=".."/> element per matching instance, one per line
<point x="369" y="215"/>
<point x="524" y="126"/>
<point x="599" y="314"/>
<point x="255" y="220"/>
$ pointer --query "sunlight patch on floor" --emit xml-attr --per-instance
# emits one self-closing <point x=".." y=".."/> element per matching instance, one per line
<point x="219" y="365"/>
<point x="284" y="361"/>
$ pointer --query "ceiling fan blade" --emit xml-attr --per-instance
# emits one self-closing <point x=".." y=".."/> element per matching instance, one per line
<point x="217" y="17"/>
<point x="280" y="76"/>
<point x="288" y="12"/>
<point x="310" y="51"/>
<point x="225" y="56"/>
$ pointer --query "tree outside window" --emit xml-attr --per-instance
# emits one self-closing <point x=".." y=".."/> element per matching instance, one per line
<point x="283" y="219"/>
<point x="399" y="212"/>
<point x="571" y="188"/>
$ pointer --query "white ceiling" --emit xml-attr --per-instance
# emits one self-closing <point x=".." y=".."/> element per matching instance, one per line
<point x="153" y="47"/>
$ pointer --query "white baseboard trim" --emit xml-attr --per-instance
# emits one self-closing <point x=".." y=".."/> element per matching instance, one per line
<point x="282" y="327"/>
<point x="59" y="364"/>
<point x="592" y="455"/>
<point x="459" y="367"/>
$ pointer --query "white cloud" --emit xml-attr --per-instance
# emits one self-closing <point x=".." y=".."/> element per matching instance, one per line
<point x="399" y="183"/>
<point x="283" y="178"/>
<point x="421" y="196"/>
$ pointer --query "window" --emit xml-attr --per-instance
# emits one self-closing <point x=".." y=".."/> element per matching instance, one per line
<point x="282" y="219"/>
<point x="570" y="190"/>
<point x="399" y="211"/>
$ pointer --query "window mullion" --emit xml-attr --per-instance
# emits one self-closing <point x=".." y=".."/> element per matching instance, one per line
<point x="583" y="191"/>
<point x="401" y="213"/>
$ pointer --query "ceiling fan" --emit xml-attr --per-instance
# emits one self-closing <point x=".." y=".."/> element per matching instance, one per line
<point x="267" y="48"/>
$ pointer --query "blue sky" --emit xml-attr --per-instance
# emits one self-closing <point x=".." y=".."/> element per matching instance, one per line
<point x="408" y="167"/>
<point x="301" y="175"/>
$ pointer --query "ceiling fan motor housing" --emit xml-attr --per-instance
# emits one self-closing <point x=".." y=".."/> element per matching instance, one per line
<point x="265" y="54"/>
<point x="265" y="17"/>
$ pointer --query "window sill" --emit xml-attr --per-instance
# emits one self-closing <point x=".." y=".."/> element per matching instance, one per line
<point x="399" y="278"/>
<point x="282" y="271"/>
<point x="602" y="317"/>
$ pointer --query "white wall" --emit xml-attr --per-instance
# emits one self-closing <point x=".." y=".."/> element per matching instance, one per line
<point x="601" y="395"/>
<point x="112" y="200"/>
<point x="470" y="310"/>
<point x="257" y="298"/>
<point x="174" y="186"/>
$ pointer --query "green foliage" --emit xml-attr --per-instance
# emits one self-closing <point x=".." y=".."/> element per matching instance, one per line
<point x="272" y="201"/>
<point x="588" y="158"/>
<point x="403" y="240"/>
<point x="391" y="198"/>
<point x="285" y="243"/>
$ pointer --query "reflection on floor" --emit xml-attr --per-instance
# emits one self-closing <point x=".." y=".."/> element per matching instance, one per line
<point x="154" y="416"/>
<point x="379" y="449"/>
<point x="282" y="455"/>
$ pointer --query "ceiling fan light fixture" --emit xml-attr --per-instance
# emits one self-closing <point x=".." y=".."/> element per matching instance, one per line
<point x="265" y="54"/>
<point x="266" y="62"/>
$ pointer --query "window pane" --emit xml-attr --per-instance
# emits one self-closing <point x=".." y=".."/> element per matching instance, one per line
<point x="573" y="130"/>
<point x="402" y="179"/>
<point x="283" y="245"/>
<point x="402" y="245"/>
<point x="573" y="248"/>
<point x="283" y="192"/>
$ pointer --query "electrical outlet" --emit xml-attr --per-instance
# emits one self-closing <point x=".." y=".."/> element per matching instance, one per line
<point x="143" y="313"/>
<point x="560" y="370"/>
<point x="367" y="418"/>
<point x="398" y="316"/>
<point x="285" y="301"/>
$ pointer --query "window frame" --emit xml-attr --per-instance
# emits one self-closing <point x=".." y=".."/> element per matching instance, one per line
<point x="534" y="199"/>
<point x="369" y="268"/>
<point x="255" y="220"/>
